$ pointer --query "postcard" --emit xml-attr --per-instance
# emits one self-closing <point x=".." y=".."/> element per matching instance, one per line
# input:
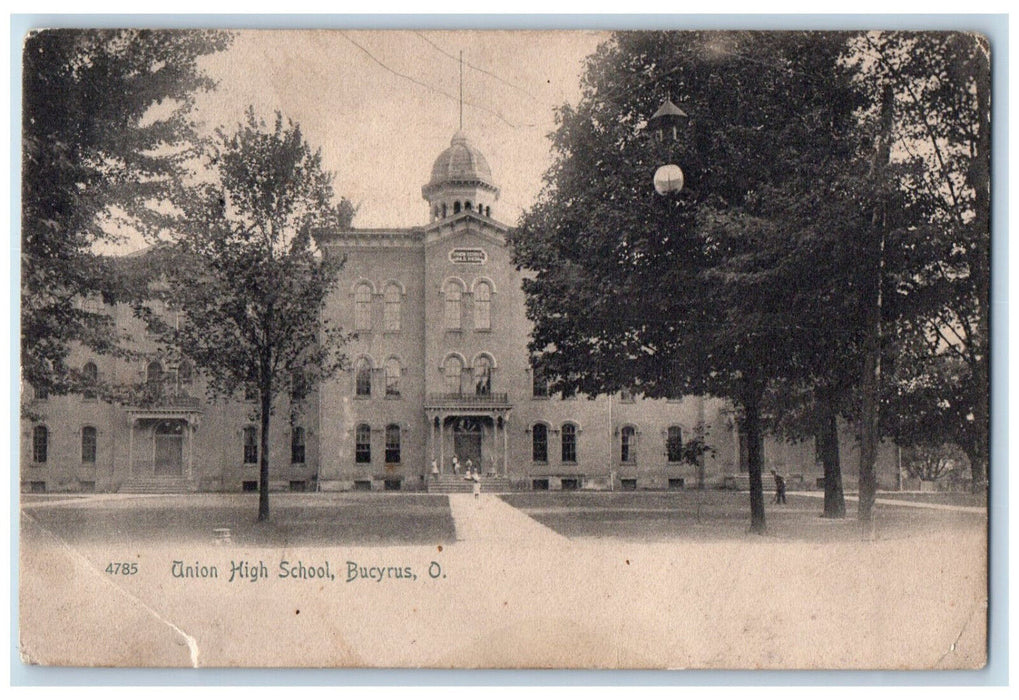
<point x="505" y="349"/>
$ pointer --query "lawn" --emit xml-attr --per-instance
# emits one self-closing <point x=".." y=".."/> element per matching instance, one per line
<point x="717" y="515"/>
<point x="296" y="519"/>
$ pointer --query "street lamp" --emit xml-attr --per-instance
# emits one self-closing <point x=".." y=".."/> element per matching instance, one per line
<point x="666" y="124"/>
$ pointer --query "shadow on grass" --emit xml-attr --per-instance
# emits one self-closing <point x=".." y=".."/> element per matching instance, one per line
<point x="305" y="520"/>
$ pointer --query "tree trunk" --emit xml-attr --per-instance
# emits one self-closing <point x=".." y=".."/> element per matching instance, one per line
<point x="755" y="456"/>
<point x="828" y="446"/>
<point x="263" y="470"/>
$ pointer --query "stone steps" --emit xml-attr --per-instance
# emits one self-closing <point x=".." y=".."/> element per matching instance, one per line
<point x="156" y="485"/>
<point x="449" y="483"/>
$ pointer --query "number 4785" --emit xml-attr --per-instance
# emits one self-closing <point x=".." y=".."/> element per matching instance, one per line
<point x="123" y="568"/>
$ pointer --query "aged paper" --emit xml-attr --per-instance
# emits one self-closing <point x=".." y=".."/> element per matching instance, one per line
<point x="432" y="504"/>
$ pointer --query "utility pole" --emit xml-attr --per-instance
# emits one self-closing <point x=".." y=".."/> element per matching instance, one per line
<point x="870" y="385"/>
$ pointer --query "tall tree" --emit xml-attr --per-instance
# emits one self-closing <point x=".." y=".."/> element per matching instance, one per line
<point x="940" y="83"/>
<point x="105" y="133"/>
<point x="688" y="295"/>
<point x="248" y="276"/>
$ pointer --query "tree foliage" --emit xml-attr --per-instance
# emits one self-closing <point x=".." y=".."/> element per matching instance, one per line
<point x="939" y="337"/>
<point x="105" y="133"/>
<point x="731" y="284"/>
<point x="247" y="275"/>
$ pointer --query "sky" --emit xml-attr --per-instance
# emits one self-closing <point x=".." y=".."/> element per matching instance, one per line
<point x="379" y="132"/>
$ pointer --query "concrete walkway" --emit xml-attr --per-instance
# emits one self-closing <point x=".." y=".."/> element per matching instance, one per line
<point x="490" y="519"/>
<point x="902" y="502"/>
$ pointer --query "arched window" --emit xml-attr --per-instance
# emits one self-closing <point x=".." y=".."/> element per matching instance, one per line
<point x="88" y="445"/>
<point x="628" y="443"/>
<point x="363" y="378"/>
<point x="391" y="308"/>
<point x="482" y="306"/>
<point x="363" y="307"/>
<point x="154" y="374"/>
<point x="488" y="211"/>
<point x="392" y="444"/>
<point x="297" y="445"/>
<point x="482" y="376"/>
<point x="467" y="206"/>
<point x="363" y="444"/>
<point x="456" y="207"/>
<point x="674" y="443"/>
<point x="443" y="210"/>
<point x="393" y="372"/>
<point x="453" y="373"/>
<point x="250" y="445"/>
<point x="40" y="444"/>
<point x="569" y="443"/>
<point x="539" y="442"/>
<point x="454" y="295"/>
<point x="90" y="374"/>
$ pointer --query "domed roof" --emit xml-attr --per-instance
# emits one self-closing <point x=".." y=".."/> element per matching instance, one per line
<point x="460" y="163"/>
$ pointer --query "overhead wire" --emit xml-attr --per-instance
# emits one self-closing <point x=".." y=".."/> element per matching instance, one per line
<point x="472" y="66"/>
<point x="434" y="89"/>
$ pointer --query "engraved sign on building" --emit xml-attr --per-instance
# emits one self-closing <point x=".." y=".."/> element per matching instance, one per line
<point x="468" y="256"/>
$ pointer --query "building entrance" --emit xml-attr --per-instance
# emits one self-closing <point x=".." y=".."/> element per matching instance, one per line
<point x="467" y="440"/>
<point x="169" y="448"/>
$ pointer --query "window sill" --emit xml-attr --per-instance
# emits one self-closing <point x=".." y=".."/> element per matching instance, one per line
<point x="540" y="398"/>
<point x="393" y="397"/>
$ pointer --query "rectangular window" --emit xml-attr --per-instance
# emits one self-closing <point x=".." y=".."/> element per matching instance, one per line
<point x="569" y="443"/>
<point x="539" y="383"/>
<point x="297" y="446"/>
<point x="539" y="443"/>
<point x="392" y="444"/>
<point x="363" y="444"/>
<point x="299" y="486"/>
<point x="250" y="445"/>
<point x="674" y="444"/>
<point x="249" y="486"/>
<point x="40" y="444"/>
<point x="88" y="445"/>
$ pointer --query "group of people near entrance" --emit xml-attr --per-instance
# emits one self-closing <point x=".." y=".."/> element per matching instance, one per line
<point x="470" y="473"/>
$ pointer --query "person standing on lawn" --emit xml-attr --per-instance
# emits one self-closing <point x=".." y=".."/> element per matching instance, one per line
<point x="779" y="487"/>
